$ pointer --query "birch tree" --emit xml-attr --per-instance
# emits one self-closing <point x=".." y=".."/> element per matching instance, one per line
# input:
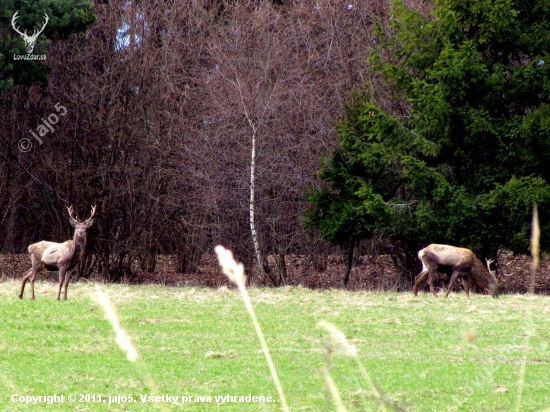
<point x="247" y="68"/>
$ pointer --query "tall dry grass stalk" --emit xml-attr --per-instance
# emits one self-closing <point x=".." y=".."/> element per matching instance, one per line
<point x="334" y="391"/>
<point x="122" y="339"/>
<point x="535" y="247"/>
<point x="124" y="342"/>
<point x="341" y="344"/>
<point x="235" y="273"/>
<point x="535" y="255"/>
<point x="523" y="364"/>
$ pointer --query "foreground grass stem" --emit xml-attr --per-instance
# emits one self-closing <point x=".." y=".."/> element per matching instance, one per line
<point x="235" y="272"/>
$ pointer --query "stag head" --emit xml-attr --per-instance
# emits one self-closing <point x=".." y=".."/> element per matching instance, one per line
<point x="29" y="40"/>
<point x="493" y="286"/>
<point x="80" y="227"/>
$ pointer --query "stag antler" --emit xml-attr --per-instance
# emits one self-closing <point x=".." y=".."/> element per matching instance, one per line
<point x="489" y="261"/>
<point x="91" y="216"/>
<point x="29" y="40"/>
<point x="71" y="211"/>
<point x="75" y="219"/>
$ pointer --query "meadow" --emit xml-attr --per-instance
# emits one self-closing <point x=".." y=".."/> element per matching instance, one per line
<point x="423" y="354"/>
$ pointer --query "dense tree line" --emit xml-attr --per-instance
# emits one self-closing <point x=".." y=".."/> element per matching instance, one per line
<point x="163" y="101"/>
<point x="464" y="160"/>
<point x="202" y="122"/>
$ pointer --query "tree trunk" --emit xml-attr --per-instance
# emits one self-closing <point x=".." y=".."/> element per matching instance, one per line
<point x="349" y="262"/>
<point x="262" y="264"/>
<point x="281" y="264"/>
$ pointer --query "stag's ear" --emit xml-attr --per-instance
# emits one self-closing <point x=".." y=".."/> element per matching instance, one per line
<point x="73" y="222"/>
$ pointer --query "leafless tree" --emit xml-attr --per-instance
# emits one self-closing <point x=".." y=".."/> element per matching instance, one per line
<point x="170" y="108"/>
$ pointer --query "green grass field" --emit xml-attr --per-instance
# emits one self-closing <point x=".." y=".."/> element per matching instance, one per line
<point x="424" y="354"/>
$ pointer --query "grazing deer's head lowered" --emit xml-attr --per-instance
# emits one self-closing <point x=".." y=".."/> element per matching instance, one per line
<point x="29" y="40"/>
<point x="62" y="257"/>
<point x="460" y="262"/>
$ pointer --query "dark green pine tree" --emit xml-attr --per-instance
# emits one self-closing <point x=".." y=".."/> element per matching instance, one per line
<point x="65" y="17"/>
<point x="468" y="159"/>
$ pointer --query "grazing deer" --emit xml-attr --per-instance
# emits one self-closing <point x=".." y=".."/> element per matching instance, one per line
<point x="458" y="261"/>
<point x="62" y="257"/>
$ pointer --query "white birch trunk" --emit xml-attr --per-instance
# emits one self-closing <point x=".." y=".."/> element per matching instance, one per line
<point x="252" y="206"/>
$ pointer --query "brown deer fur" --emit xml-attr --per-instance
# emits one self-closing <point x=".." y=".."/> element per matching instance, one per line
<point x="460" y="262"/>
<point x="62" y="257"/>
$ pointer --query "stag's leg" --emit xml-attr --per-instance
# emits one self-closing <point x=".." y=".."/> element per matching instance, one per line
<point x="466" y="284"/>
<point x="67" y="279"/>
<point x="26" y="277"/>
<point x="31" y="275"/>
<point x="61" y="279"/>
<point x="431" y="275"/>
<point x="455" y="275"/>
<point x="421" y="277"/>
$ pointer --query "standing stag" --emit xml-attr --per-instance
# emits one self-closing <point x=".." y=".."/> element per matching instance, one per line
<point x="458" y="261"/>
<point x="62" y="257"/>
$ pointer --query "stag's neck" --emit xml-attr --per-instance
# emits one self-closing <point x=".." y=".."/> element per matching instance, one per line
<point x="78" y="247"/>
<point x="480" y="273"/>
